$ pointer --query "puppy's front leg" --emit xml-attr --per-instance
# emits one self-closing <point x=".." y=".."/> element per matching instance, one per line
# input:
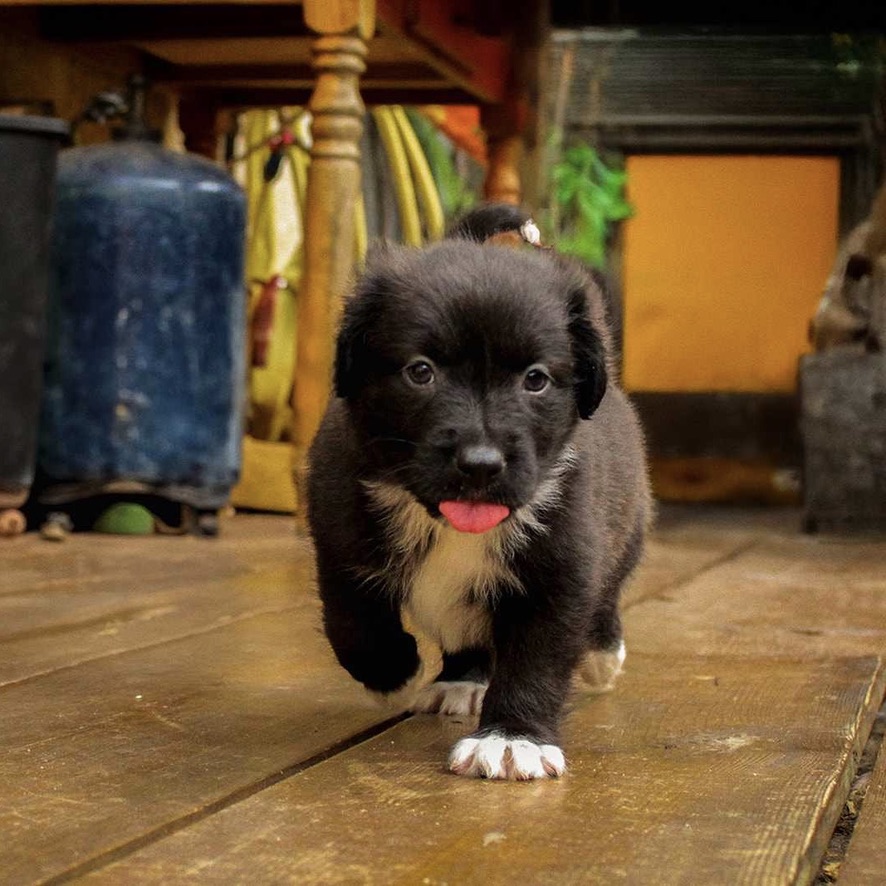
<point x="536" y="650"/>
<point x="368" y="639"/>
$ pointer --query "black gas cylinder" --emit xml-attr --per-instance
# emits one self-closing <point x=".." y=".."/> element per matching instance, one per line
<point x="28" y="148"/>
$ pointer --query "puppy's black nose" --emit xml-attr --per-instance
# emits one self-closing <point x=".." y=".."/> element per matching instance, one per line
<point x="480" y="463"/>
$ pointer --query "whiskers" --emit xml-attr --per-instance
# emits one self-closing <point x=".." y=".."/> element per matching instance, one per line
<point x="375" y="440"/>
<point x="395" y="474"/>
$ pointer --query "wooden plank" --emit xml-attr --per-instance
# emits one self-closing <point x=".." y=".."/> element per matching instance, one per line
<point x="44" y="632"/>
<point x="96" y="756"/>
<point x="687" y="541"/>
<point x="94" y="595"/>
<point x="865" y="862"/>
<point x="674" y="556"/>
<point x="245" y="540"/>
<point x="708" y="521"/>
<point x="703" y="771"/>
<point x="132" y="23"/>
<point x="231" y="50"/>
<point x="803" y="596"/>
<point x="277" y="97"/>
<point x="297" y="75"/>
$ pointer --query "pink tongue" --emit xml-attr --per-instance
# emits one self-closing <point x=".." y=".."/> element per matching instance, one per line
<point x="473" y="516"/>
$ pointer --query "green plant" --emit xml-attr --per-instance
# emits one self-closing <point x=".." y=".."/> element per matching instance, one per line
<point x="588" y="199"/>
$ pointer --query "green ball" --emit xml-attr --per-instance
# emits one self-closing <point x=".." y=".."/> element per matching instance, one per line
<point x="125" y="518"/>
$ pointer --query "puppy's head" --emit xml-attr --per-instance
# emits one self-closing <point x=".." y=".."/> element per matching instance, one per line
<point x="466" y="368"/>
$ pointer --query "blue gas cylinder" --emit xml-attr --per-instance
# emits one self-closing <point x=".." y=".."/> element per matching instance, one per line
<point x="144" y="384"/>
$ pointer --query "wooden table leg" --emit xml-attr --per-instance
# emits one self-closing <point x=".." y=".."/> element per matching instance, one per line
<point x="505" y="152"/>
<point x="511" y="126"/>
<point x="333" y="188"/>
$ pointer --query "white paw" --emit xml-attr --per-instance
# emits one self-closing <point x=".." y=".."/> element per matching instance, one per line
<point x="600" y="668"/>
<point x="495" y="756"/>
<point x="459" y="697"/>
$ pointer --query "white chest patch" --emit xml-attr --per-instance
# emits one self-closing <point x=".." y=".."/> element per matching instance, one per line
<point x="443" y="577"/>
<point x="448" y="588"/>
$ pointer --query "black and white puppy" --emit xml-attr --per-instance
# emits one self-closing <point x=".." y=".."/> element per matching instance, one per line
<point x="480" y="475"/>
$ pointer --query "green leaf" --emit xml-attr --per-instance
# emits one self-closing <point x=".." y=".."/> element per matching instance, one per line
<point x="620" y="211"/>
<point x="609" y="177"/>
<point x="589" y="196"/>
<point x="581" y="157"/>
<point x="565" y="191"/>
<point x="593" y="201"/>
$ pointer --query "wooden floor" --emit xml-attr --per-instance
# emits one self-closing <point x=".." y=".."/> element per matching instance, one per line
<point x="169" y="712"/>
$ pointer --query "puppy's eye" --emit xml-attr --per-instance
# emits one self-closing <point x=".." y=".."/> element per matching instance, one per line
<point x="536" y="380"/>
<point x="419" y="373"/>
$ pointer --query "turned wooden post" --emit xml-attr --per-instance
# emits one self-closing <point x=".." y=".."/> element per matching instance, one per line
<point x="511" y="137"/>
<point x="332" y="192"/>
<point x="505" y="155"/>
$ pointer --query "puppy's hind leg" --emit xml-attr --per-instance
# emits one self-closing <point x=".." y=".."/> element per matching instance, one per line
<point x="604" y="660"/>
<point x="460" y="688"/>
<point x="600" y="668"/>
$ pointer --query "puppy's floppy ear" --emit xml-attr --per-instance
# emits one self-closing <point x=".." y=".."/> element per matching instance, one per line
<point x="350" y="345"/>
<point x="360" y="310"/>
<point x="488" y="220"/>
<point x="588" y="354"/>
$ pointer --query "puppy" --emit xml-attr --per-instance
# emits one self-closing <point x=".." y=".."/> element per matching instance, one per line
<point x="479" y="475"/>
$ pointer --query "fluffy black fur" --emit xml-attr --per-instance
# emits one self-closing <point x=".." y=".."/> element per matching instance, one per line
<point x="481" y="316"/>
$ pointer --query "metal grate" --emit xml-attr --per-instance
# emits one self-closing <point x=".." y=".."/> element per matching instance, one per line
<point x="627" y="76"/>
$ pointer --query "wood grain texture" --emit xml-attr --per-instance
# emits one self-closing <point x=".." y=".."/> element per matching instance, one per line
<point x="167" y="704"/>
<point x="115" y="618"/>
<point x="865" y="862"/>
<point x="101" y="754"/>
<point x="163" y="675"/>
<point x="676" y="554"/>
<point x="245" y="541"/>
<point x="795" y="596"/>
<point x="96" y="596"/>
<point x="706" y="771"/>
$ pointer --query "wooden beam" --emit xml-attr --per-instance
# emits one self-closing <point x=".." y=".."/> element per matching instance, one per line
<point x="300" y="74"/>
<point x="245" y="95"/>
<point x="333" y="190"/>
<point x="134" y="23"/>
<point x="472" y="56"/>
<point x="478" y="64"/>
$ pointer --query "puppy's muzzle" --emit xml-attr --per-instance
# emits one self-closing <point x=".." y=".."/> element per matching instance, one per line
<point x="479" y="464"/>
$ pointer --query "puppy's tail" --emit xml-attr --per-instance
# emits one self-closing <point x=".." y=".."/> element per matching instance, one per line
<point x="488" y="220"/>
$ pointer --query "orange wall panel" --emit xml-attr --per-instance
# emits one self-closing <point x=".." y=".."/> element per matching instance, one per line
<point x="724" y="263"/>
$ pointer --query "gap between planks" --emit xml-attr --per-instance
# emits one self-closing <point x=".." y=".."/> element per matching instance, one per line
<point x="121" y="852"/>
<point x="772" y="828"/>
